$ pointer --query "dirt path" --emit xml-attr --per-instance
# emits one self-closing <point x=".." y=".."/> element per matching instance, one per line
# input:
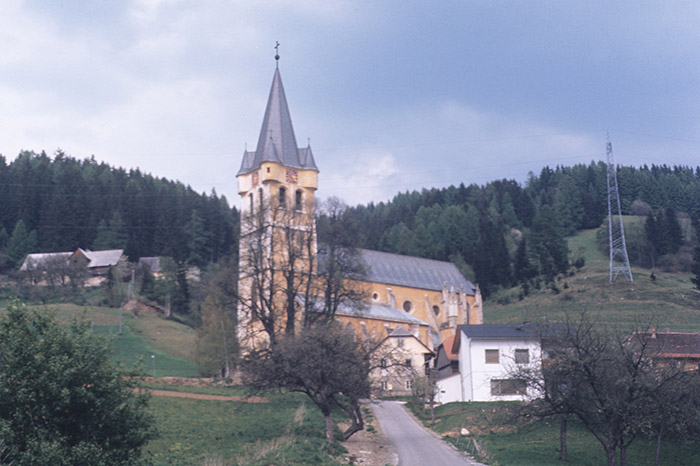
<point x="201" y="396"/>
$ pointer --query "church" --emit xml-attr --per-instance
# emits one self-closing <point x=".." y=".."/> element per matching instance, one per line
<point x="405" y="297"/>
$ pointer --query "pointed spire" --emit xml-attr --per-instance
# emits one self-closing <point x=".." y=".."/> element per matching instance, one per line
<point x="277" y="142"/>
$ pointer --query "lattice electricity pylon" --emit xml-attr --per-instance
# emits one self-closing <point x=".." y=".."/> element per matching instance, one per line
<point x="619" y="261"/>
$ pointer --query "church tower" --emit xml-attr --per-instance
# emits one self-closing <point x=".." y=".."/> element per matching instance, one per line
<point x="277" y="184"/>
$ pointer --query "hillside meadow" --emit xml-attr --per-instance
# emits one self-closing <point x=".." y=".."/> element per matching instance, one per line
<point x="668" y="300"/>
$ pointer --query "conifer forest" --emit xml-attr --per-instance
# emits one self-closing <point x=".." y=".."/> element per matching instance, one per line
<point x="502" y="233"/>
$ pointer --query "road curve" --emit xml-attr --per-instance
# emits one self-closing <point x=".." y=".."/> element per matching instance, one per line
<point x="414" y="445"/>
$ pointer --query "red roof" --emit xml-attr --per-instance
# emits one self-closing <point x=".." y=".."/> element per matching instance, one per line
<point x="448" y="345"/>
<point x="673" y="344"/>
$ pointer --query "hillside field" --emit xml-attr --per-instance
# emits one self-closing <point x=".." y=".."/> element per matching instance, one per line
<point x="669" y="301"/>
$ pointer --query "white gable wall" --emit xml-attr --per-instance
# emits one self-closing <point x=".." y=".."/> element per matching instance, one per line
<point x="477" y="374"/>
<point x="449" y="389"/>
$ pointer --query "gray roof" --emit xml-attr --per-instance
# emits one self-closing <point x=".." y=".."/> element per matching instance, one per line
<point x="514" y="331"/>
<point x="277" y="142"/>
<point x="381" y="311"/>
<point x="34" y="261"/>
<point x="153" y="263"/>
<point x="103" y="258"/>
<point x="415" y="272"/>
<point x="400" y="332"/>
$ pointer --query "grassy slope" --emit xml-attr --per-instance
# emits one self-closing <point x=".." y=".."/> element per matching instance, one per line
<point x="283" y="431"/>
<point x="537" y="444"/>
<point x="171" y="343"/>
<point x="668" y="302"/>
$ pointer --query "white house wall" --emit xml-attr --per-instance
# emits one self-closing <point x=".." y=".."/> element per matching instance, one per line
<point x="477" y="375"/>
<point x="449" y="389"/>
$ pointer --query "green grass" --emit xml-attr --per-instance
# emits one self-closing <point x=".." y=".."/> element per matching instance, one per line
<point x="239" y="433"/>
<point x="144" y="335"/>
<point x="131" y="350"/>
<point x="226" y="390"/>
<point x="513" y="443"/>
<point x="670" y="301"/>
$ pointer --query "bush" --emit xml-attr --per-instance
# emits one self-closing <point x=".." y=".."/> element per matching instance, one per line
<point x="61" y="400"/>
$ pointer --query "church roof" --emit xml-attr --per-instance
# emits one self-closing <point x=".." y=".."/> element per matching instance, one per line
<point x="277" y="142"/>
<point x="380" y="311"/>
<point x="415" y="272"/>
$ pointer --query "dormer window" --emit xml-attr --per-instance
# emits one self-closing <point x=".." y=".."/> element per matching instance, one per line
<point x="282" y="198"/>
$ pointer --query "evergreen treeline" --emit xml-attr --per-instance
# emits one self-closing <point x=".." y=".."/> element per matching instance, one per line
<point x="59" y="204"/>
<point x="503" y="234"/>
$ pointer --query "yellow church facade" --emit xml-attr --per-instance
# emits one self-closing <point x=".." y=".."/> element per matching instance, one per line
<point x="426" y="298"/>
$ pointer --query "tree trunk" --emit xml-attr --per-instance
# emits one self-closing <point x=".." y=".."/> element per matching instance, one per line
<point x="610" y="454"/>
<point x="623" y="455"/>
<point x="562" y="437"/>
<point x="355" y="414"/>
<point x="658" y="447"/>
<point x="330" y="437"/>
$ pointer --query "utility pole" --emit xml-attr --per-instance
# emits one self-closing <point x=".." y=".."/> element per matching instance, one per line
<point x="619" y="261"/>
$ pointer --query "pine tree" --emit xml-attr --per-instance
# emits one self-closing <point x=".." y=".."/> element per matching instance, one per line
<point x="20" y="244"/>
<point x="197" y="237"/>
<point x="695" y="267"/>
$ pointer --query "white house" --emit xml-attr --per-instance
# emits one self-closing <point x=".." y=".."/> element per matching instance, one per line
<point x="488" y="354"/>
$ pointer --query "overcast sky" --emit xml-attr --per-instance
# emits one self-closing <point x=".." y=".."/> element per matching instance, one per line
<point x="393" y="95"/>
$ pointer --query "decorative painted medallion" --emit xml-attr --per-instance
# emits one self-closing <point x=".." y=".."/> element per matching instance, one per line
<point x="292" y="176"/>
<point x="256" y="178"/>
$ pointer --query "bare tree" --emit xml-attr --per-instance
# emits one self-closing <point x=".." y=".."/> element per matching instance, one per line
<point x="327" y="364"/>
<point x="610" y="381"/>
<point x="288" y="280"/>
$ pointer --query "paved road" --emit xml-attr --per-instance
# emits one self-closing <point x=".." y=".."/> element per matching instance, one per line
<point x="414" y="445"/>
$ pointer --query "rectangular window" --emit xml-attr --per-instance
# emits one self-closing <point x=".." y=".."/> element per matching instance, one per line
<point x="502" y="387"/>
<point x="409" y="384"/>
<point x="399" y="342"/>
<point x="522" y="356"/>
<point x="408" y="363"/>
<point x="491" y="356"/>
<point x="383" y="363"/>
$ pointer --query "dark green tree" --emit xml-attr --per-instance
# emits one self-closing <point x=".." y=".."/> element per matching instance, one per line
<point x="147" y="286"/>
<point x="112" y="234"/>
<point x="62" y="402"/>
<point x="198" y="251"/>
<point x="695" y="267"/>
<point x="547" y="243"/>
<point x="20" y="244"/>
<point x="113" y="290"/>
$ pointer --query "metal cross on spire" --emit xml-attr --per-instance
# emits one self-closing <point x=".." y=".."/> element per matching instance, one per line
<point x="277" y="52"/>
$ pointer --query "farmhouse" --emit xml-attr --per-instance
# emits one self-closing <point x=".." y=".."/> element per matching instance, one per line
<point x="681" y="349"/>
<point x="96" y="262"/>
<point x="488" y="354"/>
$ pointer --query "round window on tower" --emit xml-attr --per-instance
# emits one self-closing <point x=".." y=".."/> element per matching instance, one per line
<point x="375" y="296"/>
<point x="407" y="306"/>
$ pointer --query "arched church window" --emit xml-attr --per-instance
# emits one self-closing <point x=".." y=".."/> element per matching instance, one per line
<point x="252" y="206"/>
<point x="260" y="193"/>
<point x="282" y="198"/>
<point x="436" y="310"/>
<point x="298" y="199"/>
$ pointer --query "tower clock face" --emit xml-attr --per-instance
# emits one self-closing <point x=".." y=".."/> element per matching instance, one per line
<point x="292" y="176"/>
